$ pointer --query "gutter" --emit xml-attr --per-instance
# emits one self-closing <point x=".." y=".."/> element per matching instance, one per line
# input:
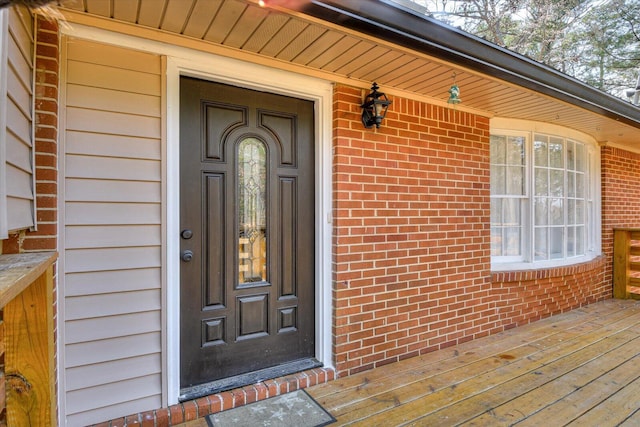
<point x="402" y="26"/>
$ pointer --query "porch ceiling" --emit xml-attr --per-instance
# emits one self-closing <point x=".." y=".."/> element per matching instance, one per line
<point x="285" y="35"/>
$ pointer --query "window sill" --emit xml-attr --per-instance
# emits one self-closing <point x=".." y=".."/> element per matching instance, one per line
<point x="530" y="271"/>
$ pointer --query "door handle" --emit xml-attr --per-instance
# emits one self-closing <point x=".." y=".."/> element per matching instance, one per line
<point x="187" y="256"/>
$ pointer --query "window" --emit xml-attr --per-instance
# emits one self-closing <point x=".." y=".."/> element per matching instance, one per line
<point x="543" y="187"/>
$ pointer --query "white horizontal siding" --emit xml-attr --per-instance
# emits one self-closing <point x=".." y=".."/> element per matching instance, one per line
<point x="112" y="168"/>
<point x="18" y="195"/>
<point x="21" y="155"/>
<point x="102" y="351"/>
<point x="111" y="371"/>
<point x="112" y="236"/>
<point x="99" y="328"/>
<point x="89" y="213"/>
<point x="119" y="146"/>
<point x="104" y="282"/>
<point x="112" y="232"/>
<point x="113" y="304"/>
<point x="94" y="416"/>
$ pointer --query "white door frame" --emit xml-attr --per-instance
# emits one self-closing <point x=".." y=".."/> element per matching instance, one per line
<point x="252" y="76"/>
<point x="209" y="66"/>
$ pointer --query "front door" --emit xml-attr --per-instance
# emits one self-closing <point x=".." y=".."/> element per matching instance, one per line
<point x="247" y="230"/>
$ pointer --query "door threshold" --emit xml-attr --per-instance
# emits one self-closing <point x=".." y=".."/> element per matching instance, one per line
<point x="195" y="392"/>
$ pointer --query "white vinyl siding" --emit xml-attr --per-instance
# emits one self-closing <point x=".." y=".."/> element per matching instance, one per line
<point x="16" y="120"/>
<point x="112" y="232"/>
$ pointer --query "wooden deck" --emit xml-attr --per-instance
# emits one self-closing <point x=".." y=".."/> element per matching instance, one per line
<point x="578" y="368"/>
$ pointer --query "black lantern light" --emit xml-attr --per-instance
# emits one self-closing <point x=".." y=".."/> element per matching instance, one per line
<point x="374" y="107"/>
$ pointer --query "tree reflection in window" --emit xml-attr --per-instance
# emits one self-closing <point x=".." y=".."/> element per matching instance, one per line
<point x="252" y="238"/>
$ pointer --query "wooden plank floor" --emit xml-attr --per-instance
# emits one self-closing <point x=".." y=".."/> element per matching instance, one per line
<point x="580" y="368"/>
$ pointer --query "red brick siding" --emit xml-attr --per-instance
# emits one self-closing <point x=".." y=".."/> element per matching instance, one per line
<point x="620" y="197"/>
<point x="411" y="231"/>
<point x="411" y="249"/>
<point x="46" y="139"/>
<point x="199" y="408"/>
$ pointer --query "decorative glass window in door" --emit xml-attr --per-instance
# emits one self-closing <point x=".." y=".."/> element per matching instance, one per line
<point x="252" y="215"/>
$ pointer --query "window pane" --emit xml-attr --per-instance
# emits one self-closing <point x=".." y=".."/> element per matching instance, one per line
<point x="571" y="184"/>
<point x="540" y="151"/>
<point x="571" y="156"/>
<point x="511" y="215"/>
<point x="571" y="211"/>
<point x="580" y="185"/>
<point x="540" y="244"/>
<point x="580" y="248"/>
<point x="515" y="180"/>
<point x="580" y="204"/>
<point x="556" y="211"/>
<point x="556" y="242"/>
<point x="541" y="182"/>
<point x="496" y="241"/>
<point x="556" y="153"/>
<point x="556" y="184"/>
<point x="496" y="211"/>
<point x="571" y="241"/>
<point x="581" y="159"/>
<point x="497" y="146"/>
<point x="541" y="208"/>
<point x="252" y="176"/>
<point x="515" y="150"/>
<point x="512" y="241"/>
<point x="498" y="179"/>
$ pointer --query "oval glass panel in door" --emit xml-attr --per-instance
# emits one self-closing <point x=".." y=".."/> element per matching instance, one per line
<point x="252" y="215"/>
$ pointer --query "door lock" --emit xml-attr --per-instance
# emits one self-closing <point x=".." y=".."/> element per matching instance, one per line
<point x="186" y="234"/>
<point x="187" y="256"/>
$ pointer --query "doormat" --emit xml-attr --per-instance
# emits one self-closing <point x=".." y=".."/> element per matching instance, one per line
<point x="295" y="409"/>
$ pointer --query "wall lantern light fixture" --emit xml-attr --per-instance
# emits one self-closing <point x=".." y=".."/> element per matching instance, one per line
<point x="374" y="107"/>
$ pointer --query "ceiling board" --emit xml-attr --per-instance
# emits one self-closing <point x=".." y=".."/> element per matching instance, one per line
<point x="225" y="20"/>
<point x="176" y="14"/>
<point x="249" y="22"/>
<point x="299" y="43"/>
<point x="126" y="10"/>
<point x="99" y="7"/>
<point x="344" y="44"/>
<point x="201" y="17"/>
<point x="317" y="47"/>
<point x="268" y="28"/>
<point x="150" y="13"/>
<point x="346" y="55"/>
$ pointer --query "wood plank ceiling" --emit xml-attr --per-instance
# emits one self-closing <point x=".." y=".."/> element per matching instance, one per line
<point x="326" y="48"/>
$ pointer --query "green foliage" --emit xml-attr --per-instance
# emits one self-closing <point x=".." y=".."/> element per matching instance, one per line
<point x="596" y="41"/>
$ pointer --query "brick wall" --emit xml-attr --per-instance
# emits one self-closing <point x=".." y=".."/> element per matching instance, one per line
<point x="620" y="196"/>
<point x="411" y="231"/>
<point x="411" y="249"/>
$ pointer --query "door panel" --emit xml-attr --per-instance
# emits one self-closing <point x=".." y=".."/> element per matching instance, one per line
<point x="247" y="218"/>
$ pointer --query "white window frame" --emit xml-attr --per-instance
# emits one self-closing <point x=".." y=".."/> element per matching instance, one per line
<point x="513" y="127"/>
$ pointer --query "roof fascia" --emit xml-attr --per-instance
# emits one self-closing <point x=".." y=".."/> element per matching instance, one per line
<point x="402" y="26"/>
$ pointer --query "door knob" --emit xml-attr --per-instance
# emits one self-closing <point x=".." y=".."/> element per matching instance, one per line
<point x="187" y="256"/>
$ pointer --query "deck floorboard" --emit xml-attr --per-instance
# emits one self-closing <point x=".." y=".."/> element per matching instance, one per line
<point x="577" y="368"/>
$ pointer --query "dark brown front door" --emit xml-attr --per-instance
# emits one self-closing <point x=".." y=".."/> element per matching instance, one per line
<point x="247" y="230"/>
